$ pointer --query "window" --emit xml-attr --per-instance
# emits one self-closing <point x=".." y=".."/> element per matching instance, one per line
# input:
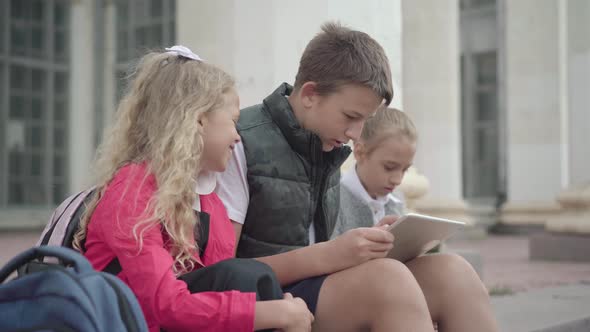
<point x="486" y="86"/>
<point x="34" y="90"/>
<point x="475" y="4"/>
<point x="141" y="25"/>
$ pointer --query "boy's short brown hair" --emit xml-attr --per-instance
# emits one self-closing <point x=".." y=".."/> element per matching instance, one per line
<point x="338" y="55"/>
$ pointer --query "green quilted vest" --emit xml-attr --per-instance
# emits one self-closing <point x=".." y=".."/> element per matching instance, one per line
<point x="291" y="180"/>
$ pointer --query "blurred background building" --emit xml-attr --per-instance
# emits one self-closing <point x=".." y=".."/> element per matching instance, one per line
<point x="499" y="90"/>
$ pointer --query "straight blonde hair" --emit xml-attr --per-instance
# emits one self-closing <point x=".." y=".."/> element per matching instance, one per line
<point x="157" y="124"/>
<point x="386" y="123"/>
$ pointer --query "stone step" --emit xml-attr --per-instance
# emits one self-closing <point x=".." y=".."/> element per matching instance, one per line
<point x="552" y="246"/>
<point x="559" y="309"/>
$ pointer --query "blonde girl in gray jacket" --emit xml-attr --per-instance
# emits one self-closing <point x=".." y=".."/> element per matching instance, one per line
<point x="457" y="299"/>
<point x="383" y="154"/>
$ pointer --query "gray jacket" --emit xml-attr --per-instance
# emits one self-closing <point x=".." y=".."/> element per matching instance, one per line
<point x="354" y="212"/>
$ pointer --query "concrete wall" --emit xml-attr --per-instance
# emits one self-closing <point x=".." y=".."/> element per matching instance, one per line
<point x="532" y="101"/>
<point x="260" y="42"/>
<point x="578" y="86"/>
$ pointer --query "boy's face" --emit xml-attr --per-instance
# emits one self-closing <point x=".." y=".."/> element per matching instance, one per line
<point x="382" y="169"/>
<point x="339" y="116"/>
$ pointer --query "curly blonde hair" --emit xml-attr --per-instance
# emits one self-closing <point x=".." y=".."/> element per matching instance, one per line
<point x="157" y="124"/>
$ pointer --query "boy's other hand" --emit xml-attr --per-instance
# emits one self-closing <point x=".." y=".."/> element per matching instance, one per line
<point x="359" y="245"/>
<point x="387" y="220"/>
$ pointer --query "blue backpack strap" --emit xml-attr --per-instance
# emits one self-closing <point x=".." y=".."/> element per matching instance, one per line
<point x="66" y="255"/>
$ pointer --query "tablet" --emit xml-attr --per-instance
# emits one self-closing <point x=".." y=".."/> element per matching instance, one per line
<point x="415" y="234"/>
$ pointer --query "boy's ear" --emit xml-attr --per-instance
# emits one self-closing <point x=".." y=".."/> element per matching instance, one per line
<point x="307" y="93"/>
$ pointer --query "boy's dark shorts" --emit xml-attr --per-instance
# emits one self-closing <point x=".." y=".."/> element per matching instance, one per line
<point x="308" y="290"/>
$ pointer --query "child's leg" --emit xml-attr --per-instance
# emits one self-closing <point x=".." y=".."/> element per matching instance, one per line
<point x="246" y="275"/>
<point x="456" y="297"/>
<point x="379" y="295"/>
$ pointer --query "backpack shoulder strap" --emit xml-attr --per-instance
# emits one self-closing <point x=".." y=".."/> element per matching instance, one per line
<point x="74" y="223"/>
<point x="56" y="228"/>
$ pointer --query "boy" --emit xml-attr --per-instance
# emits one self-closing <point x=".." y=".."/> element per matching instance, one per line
<point x="281" y="190"/>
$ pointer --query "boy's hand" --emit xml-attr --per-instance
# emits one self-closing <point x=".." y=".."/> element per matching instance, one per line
<point x="387" y="220"/>
<point x="357" y="246"/>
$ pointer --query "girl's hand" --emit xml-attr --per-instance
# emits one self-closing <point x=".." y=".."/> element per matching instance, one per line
<point x="387" y="220"/>
<point x="299" y="318"/>
<point x="289" y="315"/>
<point x="357" y="246"/>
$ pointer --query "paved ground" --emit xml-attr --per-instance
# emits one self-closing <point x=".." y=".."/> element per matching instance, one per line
<point x="12" y="243"/>
<point x="506" y="267"/>
<point x="556" y="309"/>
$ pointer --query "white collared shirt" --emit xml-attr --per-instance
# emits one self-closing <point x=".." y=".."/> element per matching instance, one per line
<point x="234" y="191"/>
<point x="205" y="184"/>
<point x="377" y="206"/>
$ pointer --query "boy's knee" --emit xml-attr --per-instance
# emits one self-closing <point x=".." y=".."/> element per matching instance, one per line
<point x="454" y="265"/>
<point x="384" y="274"/>
<point x="390" y="283"/>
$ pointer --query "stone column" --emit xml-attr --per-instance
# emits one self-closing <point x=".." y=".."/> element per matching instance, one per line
<point x="108" y="63"/>
<point x="535" y="136"/>
<point x="575" y="199"/>
<point x="431" y="96"/>
<point x="82" y="98"/>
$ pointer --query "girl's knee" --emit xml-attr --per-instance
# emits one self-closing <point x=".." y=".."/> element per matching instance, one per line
<point x="243" y="270"/>
<point x="242" y="266"/>
<point x="249" y="264"/>
<point x="250" y="275"/>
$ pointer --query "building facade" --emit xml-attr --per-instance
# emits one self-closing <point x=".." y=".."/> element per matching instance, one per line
<point x="499" y="90"/>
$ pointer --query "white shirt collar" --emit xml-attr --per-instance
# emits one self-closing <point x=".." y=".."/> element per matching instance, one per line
<point x="351" y="180"/>
<point x="205" y="184"/>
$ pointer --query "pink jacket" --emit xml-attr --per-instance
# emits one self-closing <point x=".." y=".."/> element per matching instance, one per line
<point x="165" y="300"/>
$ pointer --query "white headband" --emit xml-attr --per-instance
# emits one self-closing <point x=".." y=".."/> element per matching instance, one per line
<point x="183" y="51"/>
